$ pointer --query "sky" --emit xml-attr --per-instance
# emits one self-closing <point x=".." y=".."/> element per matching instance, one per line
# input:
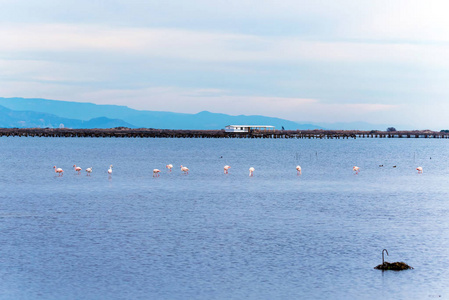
<point x="382" y="62"/>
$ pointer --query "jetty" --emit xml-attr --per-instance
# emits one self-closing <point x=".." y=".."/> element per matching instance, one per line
<point x="124" y="132"/>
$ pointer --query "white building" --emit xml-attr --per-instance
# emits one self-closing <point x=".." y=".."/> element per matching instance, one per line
<point x="248" y="128"/>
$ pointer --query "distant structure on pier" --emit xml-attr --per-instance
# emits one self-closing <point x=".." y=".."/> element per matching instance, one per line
<point x="248" y="128"/>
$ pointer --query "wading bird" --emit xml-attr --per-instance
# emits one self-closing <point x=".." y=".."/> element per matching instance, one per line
<point x="419" y="170"/>
<point x="77" y="169"/>
<point x="298" y="169"/>
<point x="251" y="171"/>
<point x="356" y="169"/>
<point x="169" y="167"/>
<point x="110" y="170"/>
<point x="89" y="170"/>
<point x="226" y="168"/>
<point x="156" y="172"/>
<point x="59" y="171"/>
<point x="185" y="170"/>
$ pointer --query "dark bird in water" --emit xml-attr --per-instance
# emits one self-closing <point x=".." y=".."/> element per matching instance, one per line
<point x="381" y="166"/>
<point x="394" y="166"/>
<point x="221" y="156"/>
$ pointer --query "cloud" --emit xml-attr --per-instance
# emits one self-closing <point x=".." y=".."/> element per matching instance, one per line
<point x="410" y="21"/>
<point x="47" y="71"/>
<point x="344" y="19"/>
<point x="201" y="46"/>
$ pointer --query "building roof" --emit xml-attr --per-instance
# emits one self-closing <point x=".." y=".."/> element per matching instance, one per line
<point x="250" y="126"/>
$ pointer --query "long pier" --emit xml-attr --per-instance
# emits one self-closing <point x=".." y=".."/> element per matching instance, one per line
<point x="123" y="132"/>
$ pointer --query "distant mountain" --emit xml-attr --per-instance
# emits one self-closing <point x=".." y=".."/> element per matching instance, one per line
<point x="89" y="115"/>
<point x="30" y="119"/>
<point x="103" y="122"/>
<point x="142" y="118"/>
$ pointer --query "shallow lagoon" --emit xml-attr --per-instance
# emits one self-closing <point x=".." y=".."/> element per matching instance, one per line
<point x="208" y="235"/>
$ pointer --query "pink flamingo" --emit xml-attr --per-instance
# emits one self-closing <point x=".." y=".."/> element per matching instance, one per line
<point x="226" y="168"/>
<point x="356" y="169"/>
<point x="298" y="169"/>
<point x="185" y="170"/>
<point x="110" y="170"/>
<point x="77" y="169"/>
<point x="59" y="171"/>
<point x="89" y="170"/>
<point x="419" y="170"/>
<point x="156" y="172"/>
<point x="251" y="171"/>
<point x="169" y="167"/>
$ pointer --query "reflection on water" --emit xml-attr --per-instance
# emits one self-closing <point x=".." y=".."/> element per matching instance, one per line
<point x="207" y="234"/>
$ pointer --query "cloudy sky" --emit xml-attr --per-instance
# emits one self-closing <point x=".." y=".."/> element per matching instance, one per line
<point x="377" y="61"/>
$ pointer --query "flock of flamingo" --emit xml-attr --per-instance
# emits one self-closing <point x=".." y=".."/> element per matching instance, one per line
<point x="78" y="169"/>
<point x="185" y="170"/>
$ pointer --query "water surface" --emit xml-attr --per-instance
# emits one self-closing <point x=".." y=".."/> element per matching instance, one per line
<point x="208" y="235"/>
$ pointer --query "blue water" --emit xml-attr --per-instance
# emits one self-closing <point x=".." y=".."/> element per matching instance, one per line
<point x="208" y="235"/>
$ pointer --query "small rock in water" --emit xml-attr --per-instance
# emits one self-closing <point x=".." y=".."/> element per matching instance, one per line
<point x="396" y="266"/>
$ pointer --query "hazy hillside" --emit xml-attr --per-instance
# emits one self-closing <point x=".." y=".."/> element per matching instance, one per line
<point x="31" y="119"/>
<point x="141" y="118"/>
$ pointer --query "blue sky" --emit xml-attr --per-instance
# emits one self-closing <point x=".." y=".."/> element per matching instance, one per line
<point x="381" y="61"/>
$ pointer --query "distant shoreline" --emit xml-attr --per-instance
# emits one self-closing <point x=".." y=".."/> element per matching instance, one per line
<point x="123" y="132"/>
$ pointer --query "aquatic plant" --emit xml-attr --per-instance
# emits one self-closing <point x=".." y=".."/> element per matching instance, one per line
<point x="396" y="266"/>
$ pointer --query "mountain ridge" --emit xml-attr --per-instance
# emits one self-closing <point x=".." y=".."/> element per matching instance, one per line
<point x="29" y="119"/>
<point x="144" y="118"/>
<point x="122" y="115"/>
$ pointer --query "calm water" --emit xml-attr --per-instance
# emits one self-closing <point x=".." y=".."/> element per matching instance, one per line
<point x="208" y="235"/>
